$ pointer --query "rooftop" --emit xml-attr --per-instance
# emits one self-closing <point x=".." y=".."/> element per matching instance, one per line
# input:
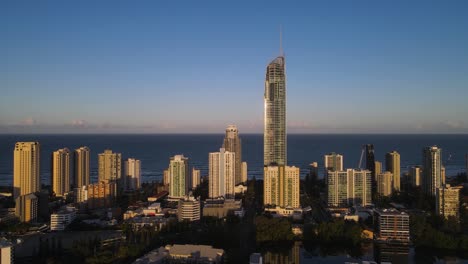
<point x="189" y="250"/>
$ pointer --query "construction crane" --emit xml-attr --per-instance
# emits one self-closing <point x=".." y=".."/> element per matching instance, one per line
<point x="362" y="156"/>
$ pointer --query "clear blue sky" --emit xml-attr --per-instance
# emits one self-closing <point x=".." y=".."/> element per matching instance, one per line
<point x="197" y="66"/>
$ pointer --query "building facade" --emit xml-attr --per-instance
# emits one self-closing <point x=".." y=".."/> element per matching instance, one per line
<point x="350" y="187"/>
<point x="101" y="194"/>
<point x="132" y="174"/>
<point x="26" y="163"/>
<point x="448" y="201"/>
<point x="333" y="162"/>
<point x="195" y="178"/>
<point x="244" y="171"/>
<point x="392" y="164"/>
<point x="110" y="166"/>
<point x="392" y="225"/>
<point x="81" y="165"/>
<point x="385" y="183"/>
<point x="188" y="209"/>
<point x="432" y="170"/>
<point x="233" y="143"/>
<point x="27" y="208"/>
<point x="221" y="174"/>
<point x="61" y="219"/>
<point x="415" y="176"/>
<point x="7" y="252"/>
<point x="61" y="172"/>
<point x="179" y="177"/>
<point x="281" y="186"/>
<point x="274" y="135"/>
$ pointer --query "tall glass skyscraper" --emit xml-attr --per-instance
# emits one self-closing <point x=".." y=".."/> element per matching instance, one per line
<point x="274" y="136"/>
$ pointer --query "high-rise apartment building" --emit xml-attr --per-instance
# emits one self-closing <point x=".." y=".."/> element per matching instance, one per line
<point x="378" y="167"/>
<point x="110" y="166"/>
<point x="415" y="176"/>
<point x="333" y="162"/>
<point x="27" y="208"/>
<point x="432" y="170"/>
<point x="221" y="174"/>
<point x="448" y="201"/>
<point x="26" y="163"/>
<point x="385" y="183"/>
<point x="274" y="136"/>
<point x="179" y="177"/>
<point x="244" y="171"/>
<point x="82" y="168"/>
<point x="132" y="174"/>
<point x="232" y="143"/>
<point x="350" y="187"/>
<point x="281" y="186"/>
<point x="61" y="172"/>
<point x="195" y="178"/>
<point x="392" y="164"/>
<point x="313" y="170"/>
<point x="166" y="177"/>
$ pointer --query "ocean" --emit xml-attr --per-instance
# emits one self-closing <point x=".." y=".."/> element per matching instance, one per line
<point x="154" y="151"/>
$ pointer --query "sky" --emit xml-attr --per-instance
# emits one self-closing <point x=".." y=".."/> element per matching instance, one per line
<point x="198" y="66"/>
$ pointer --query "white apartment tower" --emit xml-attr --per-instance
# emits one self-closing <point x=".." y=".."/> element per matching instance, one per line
<point x="221" y="174"/>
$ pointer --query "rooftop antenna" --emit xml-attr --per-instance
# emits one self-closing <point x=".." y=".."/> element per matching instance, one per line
<point x="281" y="41"/>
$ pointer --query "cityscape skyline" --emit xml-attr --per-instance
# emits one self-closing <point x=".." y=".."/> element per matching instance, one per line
<point x="388" y="74"/>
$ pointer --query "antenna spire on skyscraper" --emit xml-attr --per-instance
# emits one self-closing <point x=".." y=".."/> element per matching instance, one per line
<point x="281" y="40"/>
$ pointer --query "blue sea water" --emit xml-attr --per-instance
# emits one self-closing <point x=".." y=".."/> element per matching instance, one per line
<point x="154" y="151"/>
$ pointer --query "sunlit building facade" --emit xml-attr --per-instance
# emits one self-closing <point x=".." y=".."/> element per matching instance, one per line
<point x="274" y="135"/>
<point x="26" y="163"/>
<point x="61" y="172"/>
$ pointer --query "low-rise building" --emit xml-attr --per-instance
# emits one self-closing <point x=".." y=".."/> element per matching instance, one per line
<point x="188" y="209"/>
<point x="448" y="201"/>
<point x="220" y="208"/>
<point x="7" y="252"/>
<point x="392" y="225"/>
<point x="61" y="219"/>
<point x="195" y="254"/>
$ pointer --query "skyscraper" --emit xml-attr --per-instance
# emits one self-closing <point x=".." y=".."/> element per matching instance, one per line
<point x="110" y="166"/>
<point x="370" y="159"/>
<point x="415" y="175"/>
<point x="333" y="162"/>
<point x="244" y="171"/>
<point x="274" y="136"/>
<point x="385" y="183"/>
<point x="81" y="167"/>
<point x="378" y="167"/>
<point x="195" y="178"/>
<point x="61" y="172"/>
<point x="26" y="161"/>
<point x="392" y="164"/>
<point x="281" y="186"/>
<point x="232" y="143"/>
<point x="432" y="170"/>
<point x="132" y="174"/>
<point x="222" y="171"/>
<point x="179" y="177"/>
